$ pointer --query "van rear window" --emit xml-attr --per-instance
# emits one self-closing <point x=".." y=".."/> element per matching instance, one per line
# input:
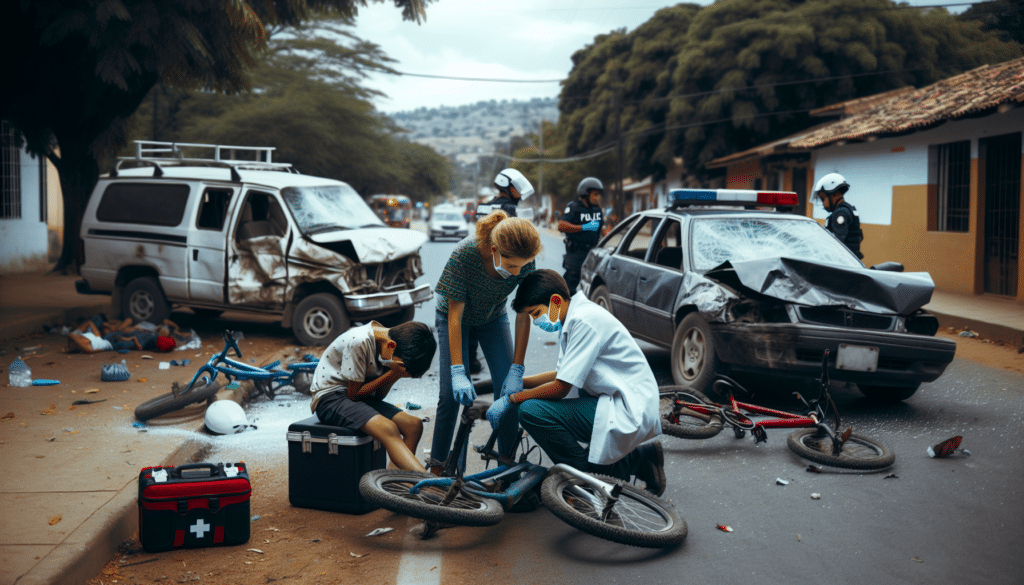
<point x="143" y="203"/>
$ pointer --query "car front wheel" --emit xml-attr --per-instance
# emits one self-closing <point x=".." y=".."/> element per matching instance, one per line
<point x="694" y="359"/>
<point x="603" y="298"/>
<point x="319" y="319"/>
<point x="144" y="300"/>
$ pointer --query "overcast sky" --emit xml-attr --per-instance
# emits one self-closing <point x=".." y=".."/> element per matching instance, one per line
<point x="523" y="40"/>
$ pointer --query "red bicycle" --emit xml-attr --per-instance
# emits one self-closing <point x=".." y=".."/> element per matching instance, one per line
<point x="689" y="414"/>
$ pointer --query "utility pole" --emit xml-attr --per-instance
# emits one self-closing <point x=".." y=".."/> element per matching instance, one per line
<point x="540" y="179"/>
<point x="619" y="203"/>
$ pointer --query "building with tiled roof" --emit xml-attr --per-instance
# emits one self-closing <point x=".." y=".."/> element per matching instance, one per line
<point x="935" y="174"/>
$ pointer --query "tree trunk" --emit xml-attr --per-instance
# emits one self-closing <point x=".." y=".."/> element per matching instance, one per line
<point x="78" y="175"/>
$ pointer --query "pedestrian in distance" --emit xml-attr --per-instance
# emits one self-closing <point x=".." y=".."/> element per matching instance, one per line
<point x="581" y="223"/>
<point x="357" y="371"/>
<point x="843" y="221"/>
<point x="472" y="294"/>
<point x="602" y="393"/>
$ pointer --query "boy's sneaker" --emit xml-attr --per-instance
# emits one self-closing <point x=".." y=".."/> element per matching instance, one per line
<point x="652" y="468"/>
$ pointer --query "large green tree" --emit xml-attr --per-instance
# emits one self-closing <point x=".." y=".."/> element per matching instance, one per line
<point x="700" y="83"/>
<point x="78" y="69"/>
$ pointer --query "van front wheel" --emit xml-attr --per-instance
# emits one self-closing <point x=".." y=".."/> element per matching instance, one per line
<point x="319" y="319"/>
<point x="144" y="300"/>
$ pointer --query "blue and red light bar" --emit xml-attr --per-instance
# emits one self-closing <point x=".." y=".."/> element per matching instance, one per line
<point x="738" y="197"/>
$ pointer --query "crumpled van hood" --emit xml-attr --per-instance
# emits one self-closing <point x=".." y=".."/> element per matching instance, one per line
<point x="813" y="284"/>
<point x="374" y="245"/>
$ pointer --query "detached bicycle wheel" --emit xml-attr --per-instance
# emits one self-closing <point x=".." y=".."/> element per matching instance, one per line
<point x="639" y="518"/>
<point x="687" y="424"/>
<point x="389" y="489"/>
<point x="858" y="452"/>
<point x="167" y="403"/>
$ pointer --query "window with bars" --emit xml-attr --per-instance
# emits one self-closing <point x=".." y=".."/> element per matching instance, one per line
<point x="10" y="173"/>
<point x="951" y="164"/>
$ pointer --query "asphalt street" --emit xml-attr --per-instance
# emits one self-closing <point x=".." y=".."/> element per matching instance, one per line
<point x="924" y="520"/>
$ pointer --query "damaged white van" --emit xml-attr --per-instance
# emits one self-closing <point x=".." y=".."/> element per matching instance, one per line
<point x="213" y="233"/>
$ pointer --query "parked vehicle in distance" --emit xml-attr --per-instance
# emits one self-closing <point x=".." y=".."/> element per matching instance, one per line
<point x="446" y="222"/>
<point x="214" y="234"/>
<point x="394" y="210"/>
<point x="730" y="288"/>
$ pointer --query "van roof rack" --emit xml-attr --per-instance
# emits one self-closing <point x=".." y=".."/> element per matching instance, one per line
<point x="160" y="154"/>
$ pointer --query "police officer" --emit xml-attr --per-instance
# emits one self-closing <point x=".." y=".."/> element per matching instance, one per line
<point x="581" y="223"/>
<point x="843" y="220"/>
<point x="513" y="187"/>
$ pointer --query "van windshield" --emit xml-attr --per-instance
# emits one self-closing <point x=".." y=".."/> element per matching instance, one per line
<point x="329" y="208"/>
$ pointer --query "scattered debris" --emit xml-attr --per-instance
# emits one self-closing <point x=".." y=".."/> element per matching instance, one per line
<point x="798" y="537"/>
<point x="724" y="528"/>
<point x="77" y="402"/>
<point x="379" y="531"/>
<point x="891" y="476"/>
<point x="91" y="391"/>
<point x="165" y="365"/>
<point x="357" y="556"/>
<point x="945" y="448"/>
<point x="917" y="560"/>
<point x="55" y="519"/>
<point x="143" y="380"/>
<point x="815" y="496"/>
<point x="7" y="416"/>
<point x="813" y="469"/>
<point x="45" y="382"/>
<point x="412" y="406"/>
<point x="781" y="481"/>
<point x="966" y="333"/>
<point x="255" y="550"/>
<point x="255" y="518"/>
<point x="146" y="356"/>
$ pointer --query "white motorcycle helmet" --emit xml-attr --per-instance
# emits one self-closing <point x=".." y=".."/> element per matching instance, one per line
<point x="226" y="417"/>
<point x="831" y="184"/>
<point x="512" y="177"/>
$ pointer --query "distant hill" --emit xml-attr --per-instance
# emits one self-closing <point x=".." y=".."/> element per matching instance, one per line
<point x="472" y="130"/>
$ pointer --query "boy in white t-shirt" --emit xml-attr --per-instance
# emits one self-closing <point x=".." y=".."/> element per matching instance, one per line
<point x="357" y="371"/>
<point x="616" y="409"/>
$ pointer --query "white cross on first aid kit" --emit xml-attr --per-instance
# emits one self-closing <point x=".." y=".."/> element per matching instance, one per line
<point x="200" y="528"/>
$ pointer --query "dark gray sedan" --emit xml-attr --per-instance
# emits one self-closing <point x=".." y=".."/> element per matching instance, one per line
<point x="729" y="288"/>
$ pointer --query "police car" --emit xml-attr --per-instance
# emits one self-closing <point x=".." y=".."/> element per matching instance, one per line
<point x="730" y="282"/>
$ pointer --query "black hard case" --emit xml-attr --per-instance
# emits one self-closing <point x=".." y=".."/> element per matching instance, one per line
<point x="325" y="464"/>
<point x="194" y="505"/>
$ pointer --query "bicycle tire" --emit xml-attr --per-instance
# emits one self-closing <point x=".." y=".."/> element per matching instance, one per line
<point x="858" y="452"/>
<point x="389" y="489"/>
<point x="687" y="427"/>
<point x="168" y="403"/>
<point x="639" y="518"/>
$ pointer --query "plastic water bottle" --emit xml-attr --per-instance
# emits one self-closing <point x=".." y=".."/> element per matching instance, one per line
<point x="19" y="373"/>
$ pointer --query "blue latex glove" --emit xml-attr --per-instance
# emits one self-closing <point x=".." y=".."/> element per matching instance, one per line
<point x="497" y="411"/>
<point x="462" y="389"/>
<point x="591" y="226"/>
<point x="514" y="381"/>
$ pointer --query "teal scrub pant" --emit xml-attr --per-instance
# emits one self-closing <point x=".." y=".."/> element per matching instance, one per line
<point x="559" y="426"/>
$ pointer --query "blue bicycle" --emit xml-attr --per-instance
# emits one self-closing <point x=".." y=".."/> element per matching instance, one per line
<point x="267" y="380"/>
<point x="598" y="505"/>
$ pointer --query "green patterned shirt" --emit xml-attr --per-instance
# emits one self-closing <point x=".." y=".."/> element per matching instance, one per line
<point x="464" y="280"/>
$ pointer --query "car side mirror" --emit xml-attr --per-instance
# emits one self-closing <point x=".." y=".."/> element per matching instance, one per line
<point x="888" y="267"/>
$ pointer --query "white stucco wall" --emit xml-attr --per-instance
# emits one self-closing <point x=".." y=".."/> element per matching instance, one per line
<point x="873" y="168"/>
<point x="24" y="241"/>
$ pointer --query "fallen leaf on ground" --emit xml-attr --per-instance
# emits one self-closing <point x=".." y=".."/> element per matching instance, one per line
<point x="55" y="519"/>
<point x="92" y="391"/>
<point x="358" y="556"/>
<point x="143" y="380"/>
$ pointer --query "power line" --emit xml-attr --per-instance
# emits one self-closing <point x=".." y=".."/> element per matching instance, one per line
<point x="578" y="157"/>
<point x="488" y="79"/>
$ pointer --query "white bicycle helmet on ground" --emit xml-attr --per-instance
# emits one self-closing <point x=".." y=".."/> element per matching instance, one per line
<point x="226" y="417"/>
<point x="511" y="177"/>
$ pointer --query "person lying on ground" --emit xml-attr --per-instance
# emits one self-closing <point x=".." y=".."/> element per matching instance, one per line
<point x="602" y="392"/>
<point x="357" y="371"/>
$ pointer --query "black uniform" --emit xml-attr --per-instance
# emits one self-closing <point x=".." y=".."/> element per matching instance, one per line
<point x="844" y="223"/>
<point x="506" y="203"/>
<point x="578" y="244"/>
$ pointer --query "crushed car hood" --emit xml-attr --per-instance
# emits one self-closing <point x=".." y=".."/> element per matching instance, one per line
<point x="373" y="245"/>
<point x="812" y="284"/>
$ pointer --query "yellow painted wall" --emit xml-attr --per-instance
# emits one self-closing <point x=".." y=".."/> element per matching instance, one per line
<point x="741" y="176"/>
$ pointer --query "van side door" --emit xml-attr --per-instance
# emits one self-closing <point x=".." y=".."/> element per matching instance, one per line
<point x="257" y="273"/>
<point x="206" y="245"/>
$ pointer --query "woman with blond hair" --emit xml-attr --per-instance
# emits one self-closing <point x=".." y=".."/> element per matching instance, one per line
<point x="471" y="299"/>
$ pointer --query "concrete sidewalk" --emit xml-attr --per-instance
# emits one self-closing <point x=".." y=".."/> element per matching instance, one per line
<point x="68" y="485"/>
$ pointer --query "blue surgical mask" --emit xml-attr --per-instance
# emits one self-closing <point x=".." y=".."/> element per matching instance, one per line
<point x="545" y="323"/>
<point x="501" y="271"/>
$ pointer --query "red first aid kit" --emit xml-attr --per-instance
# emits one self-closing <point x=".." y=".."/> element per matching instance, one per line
<point x="193" y="505"/>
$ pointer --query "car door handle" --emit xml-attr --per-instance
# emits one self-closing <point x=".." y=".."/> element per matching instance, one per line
<point x="195" y="255"/>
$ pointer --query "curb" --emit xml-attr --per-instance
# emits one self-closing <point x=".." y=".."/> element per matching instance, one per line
<point x="990" y="331"/>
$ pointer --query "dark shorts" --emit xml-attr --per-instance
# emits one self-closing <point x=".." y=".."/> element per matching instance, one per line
<point x="337" y="409"/>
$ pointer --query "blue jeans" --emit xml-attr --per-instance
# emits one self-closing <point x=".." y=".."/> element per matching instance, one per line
<point x="496" y="342"/>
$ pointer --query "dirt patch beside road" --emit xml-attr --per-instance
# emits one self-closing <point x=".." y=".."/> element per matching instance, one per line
<point x="985" y="352"/>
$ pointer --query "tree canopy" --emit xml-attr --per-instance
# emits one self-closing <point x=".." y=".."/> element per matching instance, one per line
<point x="78" y="69"/>
<point x="701" y="82"/>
